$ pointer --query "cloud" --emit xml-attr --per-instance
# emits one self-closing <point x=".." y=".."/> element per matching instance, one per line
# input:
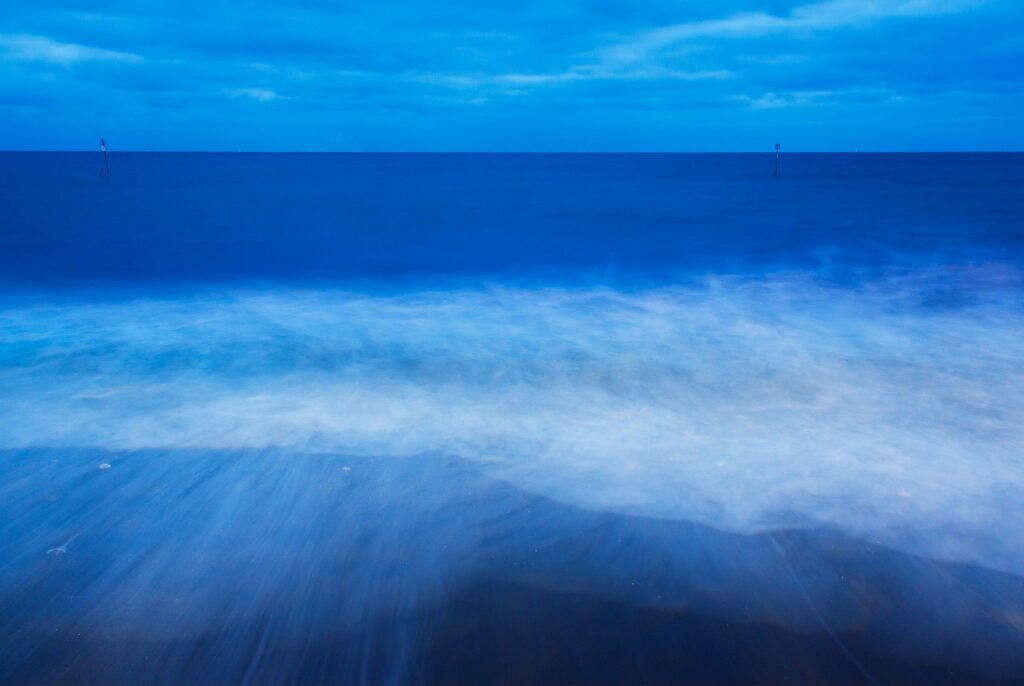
<point x="595" y="73"/>
<point x="31" y="48"/>
<point x="457" y="72"/>
<point x="830" y="14"/>
<point x="775" y="100"/>
<point x="582" y="73"/>
<point x="260" y="94"/>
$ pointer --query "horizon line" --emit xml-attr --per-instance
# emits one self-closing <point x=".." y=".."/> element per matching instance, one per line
<point x="770" y="150"/>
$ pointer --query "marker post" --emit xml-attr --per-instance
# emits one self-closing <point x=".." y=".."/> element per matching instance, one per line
<point x="105" y="169"/>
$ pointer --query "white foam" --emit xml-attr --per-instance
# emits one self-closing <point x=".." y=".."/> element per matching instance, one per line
<point x="743" y="404"/>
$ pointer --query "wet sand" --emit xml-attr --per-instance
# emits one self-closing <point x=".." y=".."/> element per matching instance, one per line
<point x="277" y="567"/>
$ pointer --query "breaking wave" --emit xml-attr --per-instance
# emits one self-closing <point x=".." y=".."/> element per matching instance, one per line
<point x="892" y="410"/>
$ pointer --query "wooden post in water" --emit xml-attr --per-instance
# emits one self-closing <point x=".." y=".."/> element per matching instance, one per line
<point x="105" y="170"/>
<point x="778" y="147"/>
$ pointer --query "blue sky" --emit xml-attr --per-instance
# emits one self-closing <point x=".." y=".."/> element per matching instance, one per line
<point x="530" y="75"/>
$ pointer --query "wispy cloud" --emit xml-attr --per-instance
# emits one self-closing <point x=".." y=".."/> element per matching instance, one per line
<point x="596" y="73"/>
<point x="260" y="94"/>
<point x="34" y="48"/>
<point x="830" y="14"/>
<point x="776" y="100"/>
<point x="448" y="73"/>
<point x="583" y="73"/>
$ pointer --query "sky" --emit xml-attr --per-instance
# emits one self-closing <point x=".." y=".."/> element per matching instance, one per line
<point x="533" y="75"/>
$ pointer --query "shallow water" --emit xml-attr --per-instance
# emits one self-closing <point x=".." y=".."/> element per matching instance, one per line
<point x="276" y="567"/>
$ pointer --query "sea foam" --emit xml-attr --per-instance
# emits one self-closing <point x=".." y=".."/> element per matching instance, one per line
<point x="892" y="410"/>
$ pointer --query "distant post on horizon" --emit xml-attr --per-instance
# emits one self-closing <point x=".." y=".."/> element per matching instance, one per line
<point x="778" y="148"/>
<point x="105" y="169"/>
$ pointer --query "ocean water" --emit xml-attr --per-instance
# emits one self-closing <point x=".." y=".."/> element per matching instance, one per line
<point x="511" y="419"/>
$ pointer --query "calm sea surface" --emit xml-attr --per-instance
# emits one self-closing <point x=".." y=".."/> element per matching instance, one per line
<point x="494" y="419"/>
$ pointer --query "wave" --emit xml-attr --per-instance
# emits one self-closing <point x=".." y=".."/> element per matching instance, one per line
<point x="891" y="409"/>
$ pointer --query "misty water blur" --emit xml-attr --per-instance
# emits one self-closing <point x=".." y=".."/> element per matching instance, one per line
<point x="741" y="404"/>
<point x="786" y="473"/>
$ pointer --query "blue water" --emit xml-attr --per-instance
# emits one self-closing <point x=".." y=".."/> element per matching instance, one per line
<point x="511" y="418"/>
<point x="221" y="218"/>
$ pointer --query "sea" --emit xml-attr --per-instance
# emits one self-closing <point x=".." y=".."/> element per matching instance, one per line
<point x="479" y="419"/>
